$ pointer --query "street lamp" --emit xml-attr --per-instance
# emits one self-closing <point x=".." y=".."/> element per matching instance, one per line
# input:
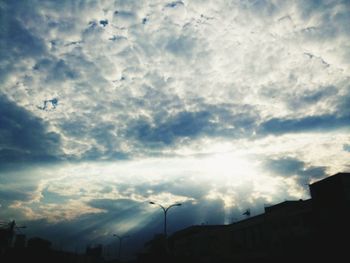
<point x="120" y="244"/>
<point x="165" y="210"/>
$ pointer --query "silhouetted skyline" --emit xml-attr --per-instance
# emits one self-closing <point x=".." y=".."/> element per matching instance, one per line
<point x="290" y="231"/>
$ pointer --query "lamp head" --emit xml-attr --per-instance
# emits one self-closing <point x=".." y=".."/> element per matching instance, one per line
<point x="152" y="203"/>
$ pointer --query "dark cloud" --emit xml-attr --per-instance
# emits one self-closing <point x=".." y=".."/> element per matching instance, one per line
<point x="13" y="194"/>
<point x="52" y="197"/>
<point x="311" y="7"/>
<point x="122" y="18"/>
<point x="319" y="59"/>
<point x="261" y="8"/>
<point x="95" y="154"/>
<point x="114" y="212"/>
<point x="174" y="4"/>
<point x="182" y="46"/>
<point x="101" y="135"/>
<point x="305" y="124"/>
<point x="289" y="167"/>
<point x="119" y="206"/>
<point x="56" y="70"/>
<point x="49" y="104"/>
<point x="346" y="147"/>
<point x="310" y="98"/>
<point x="343" y="103"/>
<point x="212" y="121"/>
<point x="77" y="128"/>
<point x="60" y="71"/>
<point x="107" y="189"/>
<point x="316" y="96"/>
<point x="24" y="137"/>
<point x="104" y="22"/>
<point x="16" y="41"/>
<point x="184" y="124"/>
<point x="327" y="122"/>
<point x="285" y="166"/>
<point x="332" y="16"/>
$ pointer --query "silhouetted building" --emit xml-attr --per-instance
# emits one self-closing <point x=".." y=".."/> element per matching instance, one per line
<point x="280" y="231"/>
<point x="155" y="250"/>
<point x="6" y="235"/>
<point x="200" y="243"/>
<point x="331" y="208"/>
<point x="40" y="244"/>
<point x="331" y="200"/>
<point x="20" y="241"/>
<point x="95" y="252"/>
<point x="291" y="231"/>
<point x="39" y="250"/>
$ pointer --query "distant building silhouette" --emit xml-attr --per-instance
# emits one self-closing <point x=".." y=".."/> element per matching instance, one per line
<point x="155" y="250"/>
<point x="37" y="243"/>
<point x="95" y="252"/>
<point x="39" y="250"/>
<point x="20" y="241"/>
<point x="311" y="230"/>
<point x="7" y="232"/>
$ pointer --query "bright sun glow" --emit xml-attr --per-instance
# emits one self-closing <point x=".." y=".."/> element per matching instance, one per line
<point x="228" y="167"/>
<point x="227" y="176"/>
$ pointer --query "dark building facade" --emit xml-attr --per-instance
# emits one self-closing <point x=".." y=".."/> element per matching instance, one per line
<point x="331" y="211"/>
<point x="311" y="230"/>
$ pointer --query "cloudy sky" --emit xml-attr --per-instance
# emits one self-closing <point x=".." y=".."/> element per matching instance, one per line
<point x="221" y="105"/>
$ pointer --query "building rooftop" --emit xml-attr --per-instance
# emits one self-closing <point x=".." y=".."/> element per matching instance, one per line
<point x="288" y="205"/>
<point x="196" y="229"/>
<point x="333" y="177"/>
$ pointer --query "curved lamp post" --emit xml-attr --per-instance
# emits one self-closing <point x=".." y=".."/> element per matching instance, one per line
<point x="120" y="244"/>
<point x="165" y="210"/>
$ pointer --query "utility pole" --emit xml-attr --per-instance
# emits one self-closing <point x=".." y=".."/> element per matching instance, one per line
<point x="165" y="210"/>
<point x="120" y="244"/>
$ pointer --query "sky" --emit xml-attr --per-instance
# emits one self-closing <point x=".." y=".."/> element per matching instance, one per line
<point x="219" y="105"/>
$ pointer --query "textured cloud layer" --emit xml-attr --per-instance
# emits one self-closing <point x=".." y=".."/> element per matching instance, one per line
<point x="120" y="78"/>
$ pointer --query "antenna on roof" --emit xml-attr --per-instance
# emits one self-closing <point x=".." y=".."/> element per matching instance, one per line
<point x="247" y="213"/>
